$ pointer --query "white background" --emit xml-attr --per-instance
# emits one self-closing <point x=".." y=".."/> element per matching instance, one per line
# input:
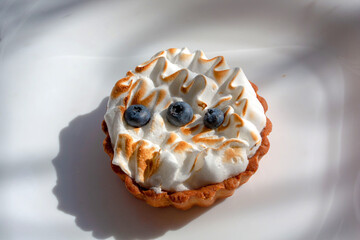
<point x="60" y="59"/>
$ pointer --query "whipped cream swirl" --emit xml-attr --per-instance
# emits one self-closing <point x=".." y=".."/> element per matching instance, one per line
<point x="161" y="156"/>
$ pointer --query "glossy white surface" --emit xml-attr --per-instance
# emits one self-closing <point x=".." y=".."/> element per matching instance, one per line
<point x="59" y="59"/>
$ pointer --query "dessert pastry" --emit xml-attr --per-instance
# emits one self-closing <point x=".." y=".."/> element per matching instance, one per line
<point x="184" y="130"/>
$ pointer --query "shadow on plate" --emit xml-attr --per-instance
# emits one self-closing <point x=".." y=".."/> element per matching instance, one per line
<point x="88" y="189"/>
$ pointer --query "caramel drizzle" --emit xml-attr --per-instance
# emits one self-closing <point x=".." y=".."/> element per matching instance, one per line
<point x="237" y="118"/>
<point x="161" y="96"/>
<point x="245" y="101"/>
<point x="201" y="104"/>
<point x="187" y="88"/>
<point x="132" y="86"/>
<point x="198" y="78"/>
<point x="223" y="127"/>
<point x="233" y="118"/>
<point x="130" y="74"/>
<point x="145" y="66"/>
<point x="144" y="157"/>
<point x="165" y="66"/>
<point x="227" y="112"/>
<point x="181" y="147"/>
<point x="152" y="165"/>
<point x="172" y="50"/>
<point x="138" y="97"/>
<point x="240" y="95"/>
<point x="171" y="77"/>
<point x="172" y="138"/>
<point x="147" y="159"/>
<point x="120" y="87"/>
<point x="208" y="140"/>
<point x="245" y="107"/>
<point x="188" y="131"/>
<point x="230" y="85"/>
<point x="219" y="75"/>
<point x="222" y="100"/>
<point x="160" y="54"/>
<point x="127" y="144"/>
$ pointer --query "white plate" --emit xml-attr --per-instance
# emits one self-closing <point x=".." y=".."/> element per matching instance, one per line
<point x="60" y="59"/>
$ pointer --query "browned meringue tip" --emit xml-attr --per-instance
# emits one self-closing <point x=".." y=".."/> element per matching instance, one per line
<point x="203" y="197"/>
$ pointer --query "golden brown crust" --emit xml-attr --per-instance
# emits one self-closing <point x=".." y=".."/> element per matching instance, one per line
<point x="204" y="196"/>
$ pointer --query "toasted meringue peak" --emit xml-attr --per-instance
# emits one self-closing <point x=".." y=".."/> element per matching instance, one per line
<point x="164" y="157"/>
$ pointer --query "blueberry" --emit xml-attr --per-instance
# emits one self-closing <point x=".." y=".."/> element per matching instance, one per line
<point x="213" y="118"/>
<point x="179" y="113"/>
<point x="137" y="115"/>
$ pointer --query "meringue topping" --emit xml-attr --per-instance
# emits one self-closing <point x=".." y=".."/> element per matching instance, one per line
<point x="161" y="156"/>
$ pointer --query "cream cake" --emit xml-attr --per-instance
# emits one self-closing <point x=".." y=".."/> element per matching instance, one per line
<point x="161" y="158"/>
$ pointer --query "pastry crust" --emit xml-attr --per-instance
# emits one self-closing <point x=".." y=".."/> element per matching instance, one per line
<point x="204" y="196"/>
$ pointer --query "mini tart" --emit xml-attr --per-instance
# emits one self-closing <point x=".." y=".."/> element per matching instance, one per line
<point x="204" y="196"/>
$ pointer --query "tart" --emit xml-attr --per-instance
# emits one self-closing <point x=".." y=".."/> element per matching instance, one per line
<point x="202" y="134"/>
